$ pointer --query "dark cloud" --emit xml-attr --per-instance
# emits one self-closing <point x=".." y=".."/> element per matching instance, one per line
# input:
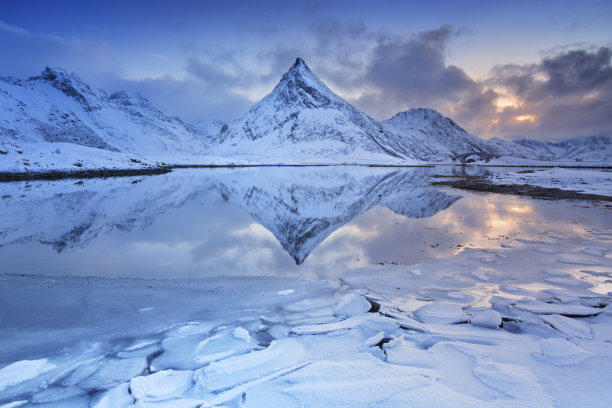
<point x="569" y="93"/>
<point x="412" y="72"/>
<point x="577" y="71"/>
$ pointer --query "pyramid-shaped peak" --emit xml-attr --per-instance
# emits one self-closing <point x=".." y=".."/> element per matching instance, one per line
<point x="299" y="69"/>
<point x="300" y="87"/>
<point x="56" y="74"/>
<point x="300" y="64"/>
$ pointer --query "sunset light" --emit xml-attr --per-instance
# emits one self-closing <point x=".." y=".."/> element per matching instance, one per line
<point x="526" y="118"/>
<point x="291" y="204"/>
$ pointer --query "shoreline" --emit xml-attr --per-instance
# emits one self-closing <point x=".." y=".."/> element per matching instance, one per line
<point x="476" y="183"/>
<point x="11" y="176"/>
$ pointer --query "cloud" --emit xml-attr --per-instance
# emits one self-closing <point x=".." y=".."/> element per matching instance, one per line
<point x="394" y="72"/>
<point x="12" y="29"/>
<point x="26" y="54"/>
<point x="568" y="93"/>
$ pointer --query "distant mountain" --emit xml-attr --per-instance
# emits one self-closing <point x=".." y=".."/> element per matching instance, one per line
<point x="430" y="136"/>
<point x="302" y="120"/>
<point x="58" y="107"/>
<point x="593" y="148"/>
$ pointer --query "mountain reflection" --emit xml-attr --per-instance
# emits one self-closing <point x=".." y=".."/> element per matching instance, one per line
<point x="300" y="206"/>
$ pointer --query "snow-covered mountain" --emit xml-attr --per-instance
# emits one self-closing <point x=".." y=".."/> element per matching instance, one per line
<point x="56" y="121"/>
<point x="593" y="148"/>
<point x="300" y="206"/>
<point x="303" y="121"/>
<point x="58" y="107"/>
<point x="430" y="136"/>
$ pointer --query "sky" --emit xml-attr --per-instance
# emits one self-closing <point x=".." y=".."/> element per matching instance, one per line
<point x="511" y="69"/>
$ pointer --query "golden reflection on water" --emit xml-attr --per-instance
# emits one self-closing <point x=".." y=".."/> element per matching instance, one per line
<point x="477" y="220"/>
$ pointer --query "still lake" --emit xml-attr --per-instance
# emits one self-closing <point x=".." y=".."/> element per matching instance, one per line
<point x="306" y="222"/>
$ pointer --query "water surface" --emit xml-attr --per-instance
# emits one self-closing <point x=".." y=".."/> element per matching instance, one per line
<point x="307" y="222"/>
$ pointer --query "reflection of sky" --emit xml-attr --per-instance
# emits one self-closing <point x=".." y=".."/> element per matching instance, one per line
<point x="214" y="238"/>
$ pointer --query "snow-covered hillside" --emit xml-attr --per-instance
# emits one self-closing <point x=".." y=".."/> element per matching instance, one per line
<point x="430" y="136"/>
<point x="55" y="121"/>
<point x="58" y="107"/>
<point x="303" y="121"/>
<point x="593" y="148"/>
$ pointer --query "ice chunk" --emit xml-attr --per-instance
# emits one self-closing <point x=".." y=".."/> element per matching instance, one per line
<point x="141" y="343"/>
<point x="573" y="309"/>
<point x="193" y="328"/>
<point x="83" y="370"/>
<point x="175" y="403"/>
<point x="455" y="295"/>
<point x="489" y="318"/>
<point x="140" y="352"/>
<point x="310" y="304"/>
<point x="404" y="321"/>
<point x="53" y="394"/>
<point x="346" y="324"/>
<point x="595" y="251"/>
<point x="359" y="380"/>
<point x="517" y="382"/>
<point x="191" y="352"/>
<point x="24" y="370"/>
<point x="481" y="275"/>
<point x="574" y="261"/>
<point x="561" y="352"/>
<point x="114" y="372"/>
<point x="352" y="305"/>
<point x="161" y="385"/>
<point x="443" y="313"/>
<point x="548" y="250"/>
<point x="563" y="281"/>
<point x="224" y="344"/>
<point x="568" y="326"/>
<point x="555" y="272"/>
<point x="239" y="369"/>
<point x="118" y="396"/>
<point x="374" y="340"/>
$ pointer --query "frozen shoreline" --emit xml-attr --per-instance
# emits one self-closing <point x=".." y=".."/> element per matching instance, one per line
<point x="432" y="335"/>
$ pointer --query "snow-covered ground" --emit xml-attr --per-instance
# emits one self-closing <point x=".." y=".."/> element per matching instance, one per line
<point x="582" y="180"/>
<point x="511" y="320"/>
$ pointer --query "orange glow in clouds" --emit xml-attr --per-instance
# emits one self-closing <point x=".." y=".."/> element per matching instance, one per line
<point x="526" y="118"/>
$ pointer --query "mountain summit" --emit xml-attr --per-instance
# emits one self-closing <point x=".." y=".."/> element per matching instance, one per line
<point x="303" y="120"/>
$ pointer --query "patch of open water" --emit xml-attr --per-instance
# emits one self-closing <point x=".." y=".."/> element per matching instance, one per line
<point x="306" y="222"/>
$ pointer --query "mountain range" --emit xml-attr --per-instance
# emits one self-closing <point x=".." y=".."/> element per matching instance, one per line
<point x="57" y="121"/>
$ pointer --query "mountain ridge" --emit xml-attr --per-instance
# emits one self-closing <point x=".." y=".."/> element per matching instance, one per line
<point x="56" y="121"/>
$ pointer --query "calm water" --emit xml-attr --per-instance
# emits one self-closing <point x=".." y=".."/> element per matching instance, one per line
<point x="311" y="222"/>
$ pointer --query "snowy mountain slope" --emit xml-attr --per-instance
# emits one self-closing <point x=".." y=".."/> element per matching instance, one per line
<point x="300" y="206"/>
<point x="303" y="120"/>
<point x="57" y="106"/>
<point x="430" y="136"/>
<point x="55" y="121"/>
<point x="593" y="148"/>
